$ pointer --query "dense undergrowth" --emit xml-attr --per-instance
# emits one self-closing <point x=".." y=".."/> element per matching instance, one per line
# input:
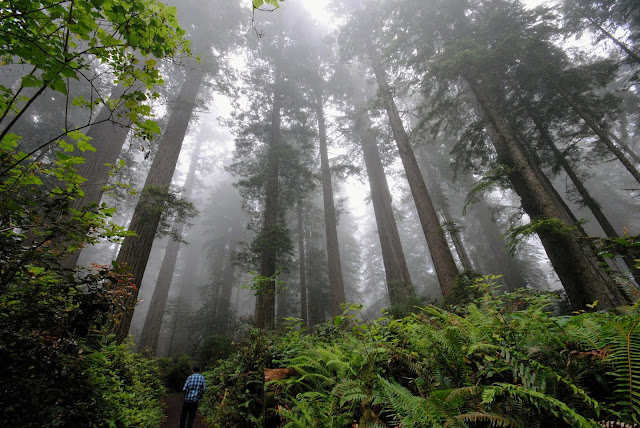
<point x="58" y="366"/>
<point x="106" y="387"/>
<point x="502" y="360"/>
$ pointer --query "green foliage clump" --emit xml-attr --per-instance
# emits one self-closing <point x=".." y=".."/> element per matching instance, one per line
<point x="174" y="371"/>
<point x="214" y="348"/>
<point x="48" y="324"/>
<point x="235" y="393"/>
<point x="107" y="385"/>
<point x="124" y="389"/>
<point x="408" y="305"/>
<point x="500" y="360"/>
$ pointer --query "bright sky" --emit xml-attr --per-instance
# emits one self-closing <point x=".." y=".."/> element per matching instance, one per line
<point x="319" y="7"/>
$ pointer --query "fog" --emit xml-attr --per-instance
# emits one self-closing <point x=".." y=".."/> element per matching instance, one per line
<point x="269" y="75"/>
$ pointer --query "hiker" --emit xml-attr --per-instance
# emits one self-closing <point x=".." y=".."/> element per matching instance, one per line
<point x="193" y="391"/>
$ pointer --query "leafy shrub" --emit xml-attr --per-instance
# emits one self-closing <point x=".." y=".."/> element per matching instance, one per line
<point x="501" y="360"/>
<point x="214" y="348"/>
<point x="50" y="327"/>
<point x="235" y="388"/>
<point x="124" y="388"/>
<point x="175" y="370"/>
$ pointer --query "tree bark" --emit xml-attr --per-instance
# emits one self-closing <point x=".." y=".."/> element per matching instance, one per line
<point x="399" y="283"/>
<point x="634" y="56"/>
<point x="443" y="262"/>
<point x="579" y="270"/>
<point x="628" y="150"/>
<point x="604" y="137"/>
<point x="454" y="234"/>
<point x="108" y="138"/>
<point x="304" y="314"/>
<point x="153" y="321"/>
<point x="224" y="304"/>
<point x="491" y="255"/>
<point x="135" y="250"/>
<point x="265" y="301"/>
<point x="333" y="248"/>
<point x="587" y="199"/>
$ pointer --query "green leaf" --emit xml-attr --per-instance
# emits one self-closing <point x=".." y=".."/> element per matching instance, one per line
<point x="31" y="81"/>
<point x="10" y="141"/>
<point x="59" y="85"/>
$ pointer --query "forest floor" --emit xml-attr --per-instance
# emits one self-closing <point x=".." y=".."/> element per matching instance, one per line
<point x="174" y="407"/>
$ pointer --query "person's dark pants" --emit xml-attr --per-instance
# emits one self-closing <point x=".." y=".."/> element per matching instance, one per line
<point x="190" y="408"/>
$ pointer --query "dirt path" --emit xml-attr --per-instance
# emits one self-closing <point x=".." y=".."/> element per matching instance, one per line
<point x="174" y="407"/>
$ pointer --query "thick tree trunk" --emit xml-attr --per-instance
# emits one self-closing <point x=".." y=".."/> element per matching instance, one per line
<point x="265" y="302"/>
<point x="318" y="306"/>
<point x="399" y="283"/>
<point x="443" y="262"/>
<point x="579" y="270"/>
<point x="604" y="136"/>
<point x="135" y="250"/>
<point x="587" y="199"/>
<point x="108" y="138"/>
<point x="153" y="321"/>
<point x="224" y="304"/>
<point x="304" y="314"/>
<point x="333" y="249"/>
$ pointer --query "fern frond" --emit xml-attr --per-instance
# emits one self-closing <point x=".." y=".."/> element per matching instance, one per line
<point x="535" y="380"/>
<point x="584" y="330"/>
<point x="456" y="395"/>
<point x="409" y="410"/>
<point x="554" y="406"/>
<point x="623" y="339"/>
<point x="490" y="418"/>
<point x="351" y="391"/>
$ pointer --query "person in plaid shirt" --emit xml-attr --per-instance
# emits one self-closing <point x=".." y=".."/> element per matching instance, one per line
<point x="193" y="391"/>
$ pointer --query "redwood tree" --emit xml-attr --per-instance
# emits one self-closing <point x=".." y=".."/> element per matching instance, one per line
<point x="135" y="250"/>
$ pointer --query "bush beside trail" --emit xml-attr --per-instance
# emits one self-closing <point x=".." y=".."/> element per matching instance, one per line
<point x="501" y="360"/>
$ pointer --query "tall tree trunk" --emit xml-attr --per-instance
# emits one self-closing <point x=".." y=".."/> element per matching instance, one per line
<point x="634" y="56"/>
<point x="604" y="136"/>
<point x="184" y="299"/>
<point x="587" y="199"/>
<point x="579" y="270"/>
<point x="454" y="234"/>
<point x="265" y="301"/>
<point x="224" y="303"/>
<point x="492" y="252"/>
<point x="399" y="283"/>
<point x="135" y="250"/>
<point x="304" y="314"/>
<point x="318" y="307"/>
<point x="108" y="138"/>
<point x="441" y="200"/>
<point x="333" y="249"/>
<point x="625" y="147"/>
<point x="443" y="262"/>
<point x="153" y="321"/>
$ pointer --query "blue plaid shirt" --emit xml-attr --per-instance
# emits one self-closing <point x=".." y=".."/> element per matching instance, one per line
<point x="194" y="387"/>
